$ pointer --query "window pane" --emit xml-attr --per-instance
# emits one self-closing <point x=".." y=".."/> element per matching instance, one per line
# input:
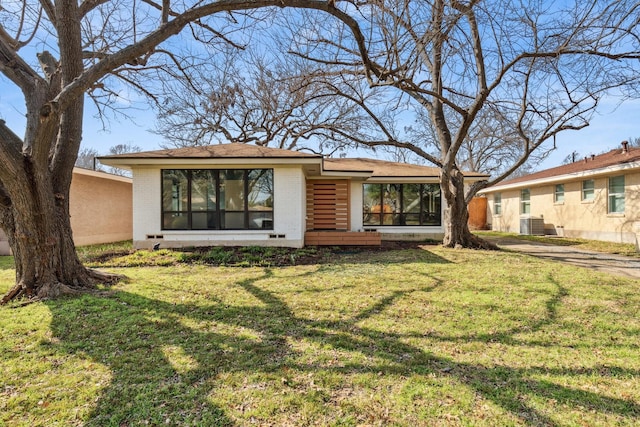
<point x="559" y="194"/>
<point x="497" y="204"/>
<point x="525" y="201"/>
<point x="391" y="197"/>
<point x="260" y="190"/>
<point x="388" y="219"/>
<point x="588" y="190"/>
<point x="431" y="203"/>
<point x="204" y="221"/>
<point x="411" y="219"/>
<point x="616" y="194"/>
<point x="411" y="198"/>
<point x="616" y="204"/>
<point x="174" y="190"/>
<point x="371" y="208"/>
<point x="371" y="219"/>
<point x="260" y="199"/>
<point x="232" y="190"/>
<point x="203" y="190"/>
<point x="261" y="220"/>
<point x="233" y="220"/>
<point x="175" y="221"/>
<point x="616" y="184"/>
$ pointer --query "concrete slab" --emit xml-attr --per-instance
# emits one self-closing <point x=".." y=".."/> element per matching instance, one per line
<point x="608" y="263"/>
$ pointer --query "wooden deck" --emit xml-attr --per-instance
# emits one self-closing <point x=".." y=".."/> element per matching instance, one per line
<point x="342" y="238"/>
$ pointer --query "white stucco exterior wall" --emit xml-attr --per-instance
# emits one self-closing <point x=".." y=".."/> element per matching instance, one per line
<point x="289" y="205"/>
<point x="574" y="217"/>
<point x="355" y="209"/>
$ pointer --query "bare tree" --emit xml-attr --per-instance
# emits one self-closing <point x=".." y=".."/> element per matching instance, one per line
<point x="257" y="98"/>
<point x="120" y="149"/>
<point x="634" y="141"/>
<point x="101" y="48"/>
<point x="508" y="74"/>
<point x="87" y="159"/>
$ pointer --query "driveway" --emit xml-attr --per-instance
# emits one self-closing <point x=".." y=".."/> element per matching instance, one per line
<point x="608" y="263"/>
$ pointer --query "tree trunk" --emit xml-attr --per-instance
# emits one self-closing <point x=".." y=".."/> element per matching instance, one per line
<point x="34" y="212"/>
<point x="456" y="217"/>
<point x="40" y="237"/>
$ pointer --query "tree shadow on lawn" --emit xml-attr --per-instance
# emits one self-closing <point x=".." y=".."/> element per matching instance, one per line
<point x="168" y="370"/>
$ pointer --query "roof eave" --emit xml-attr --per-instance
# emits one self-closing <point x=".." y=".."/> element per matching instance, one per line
<point x="565" y="177"/>
<point x="131" y="162"/>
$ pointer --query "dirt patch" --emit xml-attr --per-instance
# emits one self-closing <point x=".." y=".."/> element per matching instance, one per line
<point x="241" y="256"/>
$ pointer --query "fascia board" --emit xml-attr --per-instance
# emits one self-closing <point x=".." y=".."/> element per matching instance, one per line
<point x="101" y="175"/>
<point x="403" y="179"/>
<point x="347" y="174"/>
<point x="208" y="162"/>
<point x="565" y="177"/>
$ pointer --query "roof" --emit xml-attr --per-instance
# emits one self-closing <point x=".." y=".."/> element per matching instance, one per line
<point x="611" y="161"/>
<point x="228" y="151"/>
<point x="383" y="168"/>
<point x="100" y="174"/>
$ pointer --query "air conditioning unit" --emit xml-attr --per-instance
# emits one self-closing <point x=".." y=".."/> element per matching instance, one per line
<point x="532" y="226"/>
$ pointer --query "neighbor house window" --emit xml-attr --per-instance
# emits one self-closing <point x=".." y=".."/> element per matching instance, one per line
<point x="497" y="204"/>
<point x="207" y="199"/>
<point x="616" y="194"/>
<point x="401" y="204"/>
<point x="558" y="196"/>
<point x="588" y="189"/>
<point x="525" y="201"/>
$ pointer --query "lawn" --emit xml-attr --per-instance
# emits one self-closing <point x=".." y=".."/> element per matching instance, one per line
<point x="411" y="337"/>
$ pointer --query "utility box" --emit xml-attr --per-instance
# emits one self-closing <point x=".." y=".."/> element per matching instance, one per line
<point x="532" y="226"/>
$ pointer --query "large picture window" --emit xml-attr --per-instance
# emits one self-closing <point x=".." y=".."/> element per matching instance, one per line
<point x="401" y="204"/>
<point x="208" y="199"/>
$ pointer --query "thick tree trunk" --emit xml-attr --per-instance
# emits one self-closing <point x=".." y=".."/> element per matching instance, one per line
<point x="456" y="229"/>
<point x="34" y="212"/>
<point x="39" y="233"/>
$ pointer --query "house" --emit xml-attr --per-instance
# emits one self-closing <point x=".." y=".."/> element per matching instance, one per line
<point x="100" y="206"/>
<point x="240" y="195"/>
<point x="597" y="197"/>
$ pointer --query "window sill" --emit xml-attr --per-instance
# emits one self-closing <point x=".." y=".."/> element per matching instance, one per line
<point x="615" y="215"/>
<point x="558" y="203"/>
<point x="587" y="202"/>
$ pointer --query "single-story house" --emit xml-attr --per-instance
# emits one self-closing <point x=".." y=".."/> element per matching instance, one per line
<point x="242" y="195"/>
<point x="100" y="206"/>
<point x="597" y="198"/>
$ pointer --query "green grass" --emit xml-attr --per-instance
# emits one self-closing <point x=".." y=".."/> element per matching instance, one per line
<point x="420" y="337"/>
<point x="625" y="249"/>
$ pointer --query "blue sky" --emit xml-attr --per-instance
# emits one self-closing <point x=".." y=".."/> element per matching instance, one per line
<point x="613" y="123"/>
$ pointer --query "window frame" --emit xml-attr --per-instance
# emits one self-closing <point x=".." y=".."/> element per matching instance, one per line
<point x="401" y="215"/>
<point x="588" y="194"/>
<point x="219" y="211"/>
<point x="525" y="204"/>
<point x="620" y="196"/>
